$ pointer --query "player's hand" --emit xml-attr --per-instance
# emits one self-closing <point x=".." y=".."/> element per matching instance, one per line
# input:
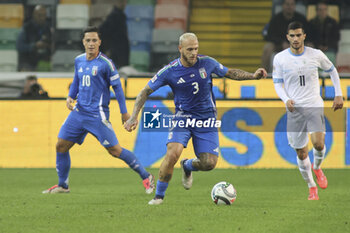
<point x="131" y="124"/>
<point x="260" y="73"/>
<point x="338" y="103"/>
<point x="69" y="103"/>
<point x="125" y="117"/>
<point x="290" y="105"/>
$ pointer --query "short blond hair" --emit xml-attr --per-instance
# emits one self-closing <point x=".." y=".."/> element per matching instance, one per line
<point x="186" y="36"/>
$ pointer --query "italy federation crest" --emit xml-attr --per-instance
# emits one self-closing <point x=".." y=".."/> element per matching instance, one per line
<point x="203" y="73"/>
<point x="94" y="70"/>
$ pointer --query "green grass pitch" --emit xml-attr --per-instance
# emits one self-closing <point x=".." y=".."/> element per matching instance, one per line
<point x="113" y="200"/>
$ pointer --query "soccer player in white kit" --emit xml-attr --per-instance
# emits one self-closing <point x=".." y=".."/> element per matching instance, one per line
<point x="296" y="80"/>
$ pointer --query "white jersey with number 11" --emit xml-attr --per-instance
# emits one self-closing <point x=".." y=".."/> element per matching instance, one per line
<point x="299" y="74"/>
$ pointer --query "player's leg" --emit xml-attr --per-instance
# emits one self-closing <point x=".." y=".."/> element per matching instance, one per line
<point x="130" y="159"/>
<point x="206" y="147"/>
<point x="316" y="125"/>
<point x="205" y="162"/>
<point x="319" y="150"/>
<point x="104" y="132"/>
<point x="63" y="161"/>
<point x="304" y="165"/>
<point x="298" y="139"/>
<point x="70" y="133"/>
<point x="176" y="142"/>
<point x="174" y="150"/>
<point x="62" y="166"/>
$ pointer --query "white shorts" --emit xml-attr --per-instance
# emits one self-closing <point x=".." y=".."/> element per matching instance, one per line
<point x="301" y="122"/>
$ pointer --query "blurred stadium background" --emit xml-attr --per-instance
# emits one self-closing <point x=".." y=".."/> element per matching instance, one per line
<point x="228" y="30"/>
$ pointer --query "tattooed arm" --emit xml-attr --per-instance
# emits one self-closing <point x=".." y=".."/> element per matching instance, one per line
<point x="240" y="75"/>
<point x="141" y="98"/>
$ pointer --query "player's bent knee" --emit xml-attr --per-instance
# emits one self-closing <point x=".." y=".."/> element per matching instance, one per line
<point x="63" y="146"/>
<point x="208" y="161"/>
<point x="59" y="147"/>
<point x="302" y="154"/>
<point x="209" y="166"/>
<point x="115" y="151"/>
<point x="319" y="146"/>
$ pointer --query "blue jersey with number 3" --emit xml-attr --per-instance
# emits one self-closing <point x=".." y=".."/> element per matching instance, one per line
<point x="192" y="86"/>
<point x="92" y="81"/>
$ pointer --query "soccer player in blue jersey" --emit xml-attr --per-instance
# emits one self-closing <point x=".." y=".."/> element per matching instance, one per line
<point x="94" y="74"/>
<point x="190" y="80"/>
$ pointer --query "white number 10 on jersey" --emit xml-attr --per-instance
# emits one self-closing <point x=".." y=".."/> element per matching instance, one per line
<point x="86" y="80"/>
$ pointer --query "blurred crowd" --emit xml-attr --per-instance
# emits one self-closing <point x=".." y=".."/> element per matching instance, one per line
<point x="322" y="30"/>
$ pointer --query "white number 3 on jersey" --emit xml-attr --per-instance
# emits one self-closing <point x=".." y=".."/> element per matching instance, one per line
<point x="196" y="87"/>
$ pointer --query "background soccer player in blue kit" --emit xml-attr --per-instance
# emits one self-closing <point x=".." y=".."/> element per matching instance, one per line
<point x="190" y="80"/>
<point x="94" y="74"/>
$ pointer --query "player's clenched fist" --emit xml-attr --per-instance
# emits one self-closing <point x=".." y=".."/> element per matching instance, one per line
<point x="260" y="73"/>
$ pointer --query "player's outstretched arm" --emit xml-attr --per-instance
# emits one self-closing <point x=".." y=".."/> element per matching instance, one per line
<point x="237" y="74"/>
<point x="141" y="98"/>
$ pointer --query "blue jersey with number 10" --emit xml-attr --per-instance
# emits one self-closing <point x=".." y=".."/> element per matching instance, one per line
<point x="91" y="84"/>
<point x="192" y="86"/>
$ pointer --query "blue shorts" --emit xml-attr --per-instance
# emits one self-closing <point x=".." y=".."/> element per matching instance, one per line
<point x="203" y="140"/>
<point x="77" y="125"/>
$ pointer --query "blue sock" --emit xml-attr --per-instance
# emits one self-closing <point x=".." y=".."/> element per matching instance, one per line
<point x="62" y="167"/>
<point x="161" y="188"/>
<point x="188" y="165"/>
<point x="129" y="158"/>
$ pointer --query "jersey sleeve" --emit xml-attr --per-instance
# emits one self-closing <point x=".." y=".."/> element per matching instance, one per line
<point x="74" y="87"/>
<point x="114" y="80"/>
<point x="325" y="63"/>
<point x="277" y="72"/>
<point x="219" y="69"/>
<point x="112" y="74"/>
<point x="277" y="78"/>
<point x="159" y="79"/>
<point x="120" y="97"/>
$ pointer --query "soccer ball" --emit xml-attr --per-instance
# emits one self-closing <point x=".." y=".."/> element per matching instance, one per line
<point x="223" y="193"/>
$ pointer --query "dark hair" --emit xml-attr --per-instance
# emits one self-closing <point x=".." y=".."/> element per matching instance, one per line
<point x="295" y="25"/>
<point x="31" y="78"/>
<point x="91" y="29"/>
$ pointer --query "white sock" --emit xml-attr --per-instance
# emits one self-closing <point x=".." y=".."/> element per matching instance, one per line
<point x="305" y="170"/>
<point x="318" y="157"/>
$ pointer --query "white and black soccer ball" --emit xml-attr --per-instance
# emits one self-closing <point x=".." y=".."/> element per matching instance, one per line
<point x="223" y="193"/>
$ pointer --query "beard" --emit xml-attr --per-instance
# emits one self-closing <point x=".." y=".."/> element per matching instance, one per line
<point x="297" y="47"/>
<point x="191" y="62"/>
